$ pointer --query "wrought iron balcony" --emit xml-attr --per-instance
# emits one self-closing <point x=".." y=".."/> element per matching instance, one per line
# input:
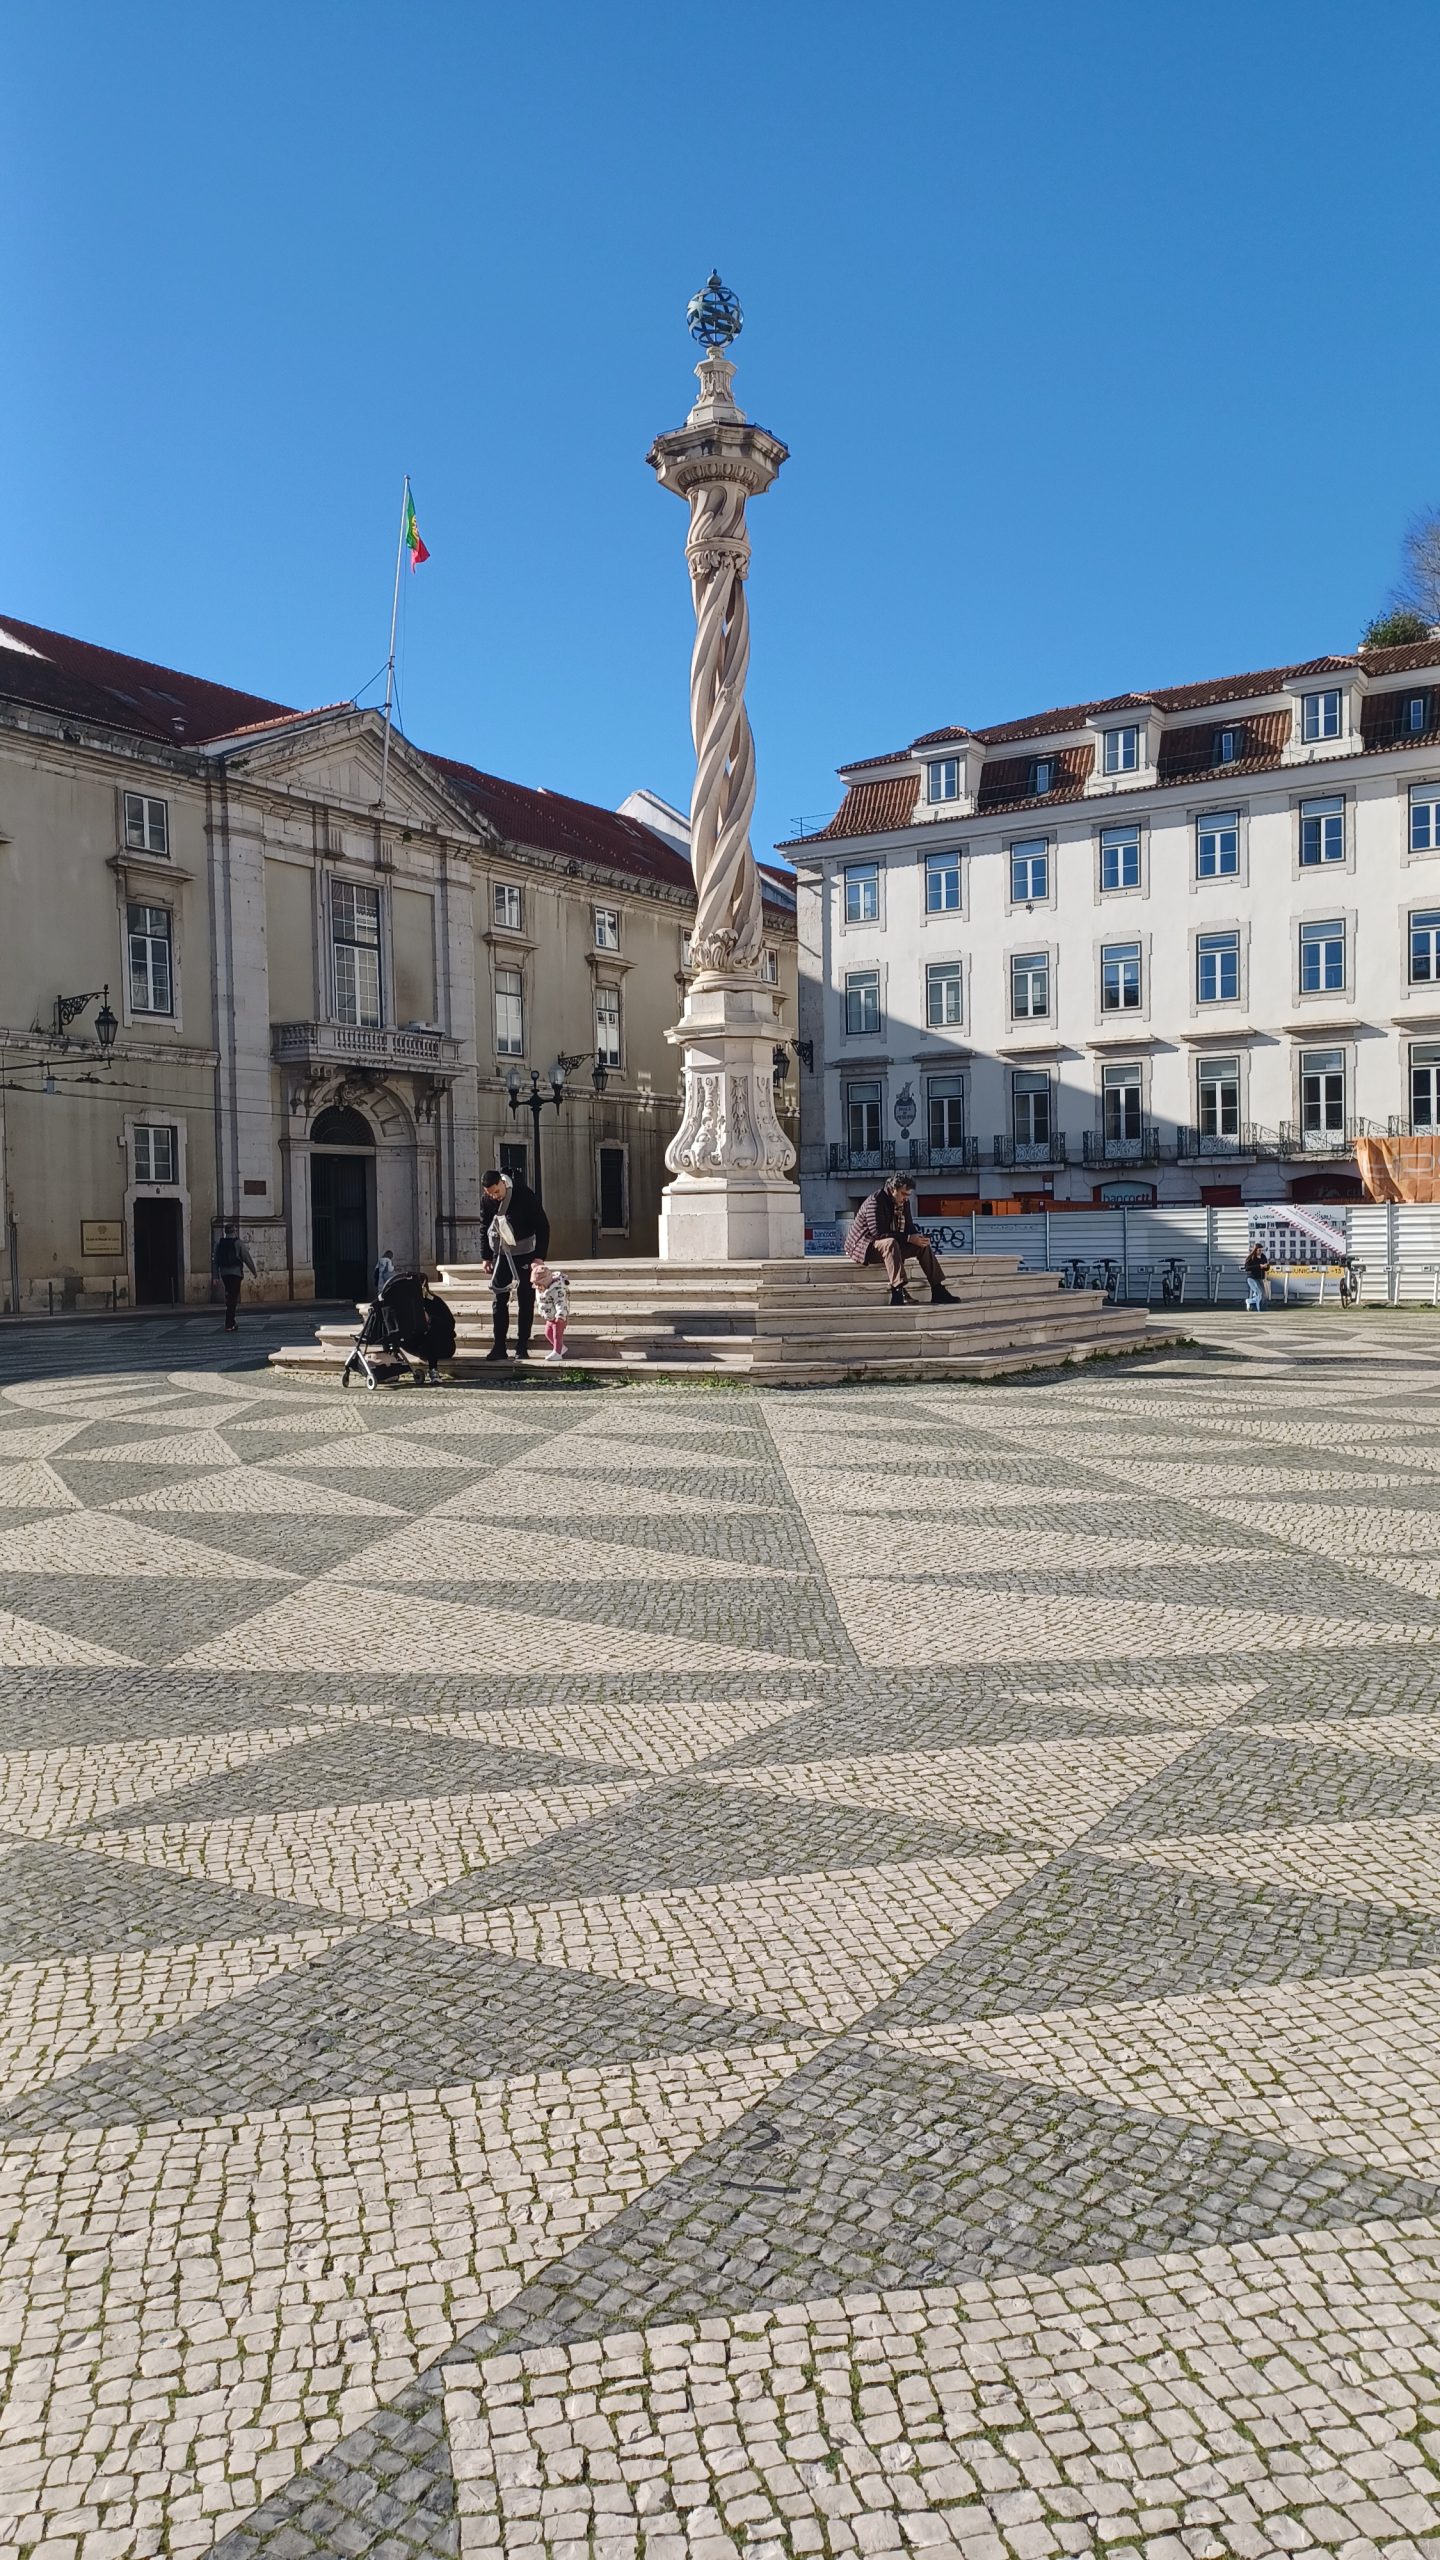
<point x="353" y="1044"/>
<point x="1398" y="1126"/>
<point x="1325" y="1142"/>
<point x="1144" y="1148"/>
<point x="1025" y="1151"/>
<point x="963" y="1154"/>
<point x="1248" y="1140"/>
<point x="879" y="1159"/>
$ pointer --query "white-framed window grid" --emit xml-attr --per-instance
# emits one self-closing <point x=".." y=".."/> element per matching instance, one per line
<point x="945" y="1116"/>
<point x="861" y="892"/>
<point x="1320" y="714"/>
<point x="509" y="1013"/>
<point x="355" y="947"/>
<point x="1217" y="844"/>
<point x="1217" y="1097"/>
<point x="1120" y="862"/>
<point x="1122" y="1103"/>
<point x="1425" y="817"/>
<point x="863" y="1103"/>
<point x="862" y="1003"/>
<point x="942" y="778"/>
<point x="1029" y="986"/>
<point x="509" y="906"/>
<point x="770" y="965"/>
<point x="1322" y="1094"/>
<point x="944" y="995"/>
<point x="1322" y="956"/>
<point x="147" y="824"/>
<point x="607" y="1026"/>
<point x="944" y="888"/>
<point x="1425" y="1085"/>
<point x="607" y="928"/>
<point x="1030" y="871"/>
<point x="155" y="1148"/>
<point x="149" y="952"/>
<point x="1322" y="831"/>
<point x="1425" y="947"/>
<point x="1030" y="1113"/>
<point x="1217" y="967"/>
<point x="1120" y="977"/>
<point x="1121" y="750"/>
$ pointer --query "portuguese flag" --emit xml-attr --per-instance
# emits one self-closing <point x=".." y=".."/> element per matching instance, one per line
<point x="411" y="536"/>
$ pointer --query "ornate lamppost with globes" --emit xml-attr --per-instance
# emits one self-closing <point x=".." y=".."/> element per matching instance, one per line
<point x="730" y="1198"/>
<point x="535" y="1100"/>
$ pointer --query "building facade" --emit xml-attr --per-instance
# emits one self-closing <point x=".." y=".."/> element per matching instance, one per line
<point x="1177" y="946"/>
<point x="232" y="983"/>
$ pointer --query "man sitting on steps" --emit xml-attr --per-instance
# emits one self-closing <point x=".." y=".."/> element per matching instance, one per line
<point x="882" y="1230"/>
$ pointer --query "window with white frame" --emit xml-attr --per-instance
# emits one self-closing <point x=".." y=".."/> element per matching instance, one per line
<point x="943" y="995"/>
<point x="1029" y="871"/>
<point x="862" y="1002"/>
<point x="147" y="824"/>
<point x="1030" y="1113"/>
<point x="1320" y="714"/>
<point x="1217" y="1089"/>
<point x="770" y="965"/>
<point x="147" y="936"/>
<point x="607" y="1026"/>
<point x="1425" y="818"/>
<point x="1122" y="750"/>
<point x="1425" y="948"/>
<point x="1228" y="743"/>
<point x="1217" y="844"/>
<point x="1029" y="985"/>
<point x="508" y="906"/>
<point x="945" y="1105"/>
<point x="1121" y="1094"/>
<point x="942" y="882"/>
<point x="1042" y="777"/>
<point x="1120" y="977"/>
<point x="1119" y="858"/>
<point x="862" y="1119"/>
<point x="862" y="893"/>
<point x="942" y="778"/>
<point x="1322" y="832"/>
<point x="1322" y="1093"/>
<point x="1217" y="968"/>
<point x="1425" y="1085"/>
<point x="1415" y="717"/>
<point x="355" y="942"/>
<point x="1322" y="958"/>
<point x="607" y="928"/>
<point x="156" y="1151"/>
<point x="509" y="1014"/>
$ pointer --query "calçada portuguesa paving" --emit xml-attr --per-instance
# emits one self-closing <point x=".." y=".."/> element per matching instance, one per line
<point x="664" y="1971"/>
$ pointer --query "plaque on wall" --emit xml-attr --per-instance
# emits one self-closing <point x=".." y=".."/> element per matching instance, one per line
<point x="102" y="1237"/>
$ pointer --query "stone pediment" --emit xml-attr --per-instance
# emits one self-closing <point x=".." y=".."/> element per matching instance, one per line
<point x="336" y="758"/>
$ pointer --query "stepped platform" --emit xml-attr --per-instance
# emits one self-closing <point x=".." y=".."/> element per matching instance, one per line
<point x="819" y="1322"/>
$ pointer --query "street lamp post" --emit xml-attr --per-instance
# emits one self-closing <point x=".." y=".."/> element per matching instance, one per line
<point x="69" y="1008"/>
<point x="534" y="1103"/>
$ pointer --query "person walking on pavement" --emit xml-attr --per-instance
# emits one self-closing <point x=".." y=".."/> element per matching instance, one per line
<point x="1256" y="1273"/>
<point x="883" y="1230"/>
<point x="231" y="1260"/>
<point x="553" y="1301"/>
<point x="514" y="1229"/>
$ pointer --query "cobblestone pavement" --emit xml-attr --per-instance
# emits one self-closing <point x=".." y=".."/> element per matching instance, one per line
<point x="655" y="1972"/>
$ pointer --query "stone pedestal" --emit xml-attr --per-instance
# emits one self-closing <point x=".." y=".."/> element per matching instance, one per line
<point x="731" y="1199"/>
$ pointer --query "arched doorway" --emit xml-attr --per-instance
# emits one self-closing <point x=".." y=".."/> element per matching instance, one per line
<point x="342" y="1203"/>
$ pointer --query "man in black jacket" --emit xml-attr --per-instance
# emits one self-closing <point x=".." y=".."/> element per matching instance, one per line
<point x="514" y="1230"/>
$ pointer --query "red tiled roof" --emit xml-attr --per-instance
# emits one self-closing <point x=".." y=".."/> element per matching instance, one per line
<point x="1010" y="778"/>
<point x="75" y="678"/>
<point x="1046" y="725"/>
<point x="873" y="808"/>
<point x="1187" y="753"/>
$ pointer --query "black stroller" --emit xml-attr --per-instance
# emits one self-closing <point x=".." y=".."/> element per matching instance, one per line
<point x="406" y="1333"/>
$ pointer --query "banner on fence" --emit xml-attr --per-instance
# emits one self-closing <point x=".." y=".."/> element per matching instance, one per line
<point x="1288" y="1234"/>
<point x="1400" y="1168"/>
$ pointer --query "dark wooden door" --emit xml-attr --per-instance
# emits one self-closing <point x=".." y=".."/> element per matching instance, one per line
<point x="340" y="1222"/>
<point x="159" y="1267"/>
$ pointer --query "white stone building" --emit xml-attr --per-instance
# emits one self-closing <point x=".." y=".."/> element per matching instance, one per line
<point x="1174" y="946"/>
<point x="317" y="1007"/>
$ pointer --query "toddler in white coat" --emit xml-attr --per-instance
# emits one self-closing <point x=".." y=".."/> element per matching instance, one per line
<point x="552" y="1304"/>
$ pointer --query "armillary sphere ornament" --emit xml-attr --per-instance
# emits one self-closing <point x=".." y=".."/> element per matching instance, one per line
<point x="713" y="316"/>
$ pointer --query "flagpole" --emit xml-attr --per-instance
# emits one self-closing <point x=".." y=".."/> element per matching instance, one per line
<point x="390" y="661"/>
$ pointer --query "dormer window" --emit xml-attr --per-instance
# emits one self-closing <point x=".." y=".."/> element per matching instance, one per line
<point x="942" y="778"/>
<point x="1320" y="715"/>
<point x="1415" y="714"/>
<point x="1228" y="743"/>
<point x="1042" y="777"/>
<point x="1122" y="750"/>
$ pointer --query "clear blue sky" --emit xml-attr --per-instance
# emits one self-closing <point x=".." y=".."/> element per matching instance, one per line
<point x="1104" y="340"/>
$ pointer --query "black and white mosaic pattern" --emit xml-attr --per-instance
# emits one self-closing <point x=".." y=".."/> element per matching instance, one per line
<point x="659" y="1971"/>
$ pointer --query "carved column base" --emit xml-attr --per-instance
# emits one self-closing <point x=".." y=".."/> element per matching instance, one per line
<point x="730" y="1199"/>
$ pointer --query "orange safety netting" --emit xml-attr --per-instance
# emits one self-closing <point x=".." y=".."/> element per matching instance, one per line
<point x="1400" y="1168"/>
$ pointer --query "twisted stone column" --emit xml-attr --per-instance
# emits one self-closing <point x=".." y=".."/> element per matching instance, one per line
<point x="730" y="1199"/>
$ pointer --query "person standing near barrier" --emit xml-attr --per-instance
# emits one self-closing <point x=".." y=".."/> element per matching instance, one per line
<point x="1256" y="1271"/>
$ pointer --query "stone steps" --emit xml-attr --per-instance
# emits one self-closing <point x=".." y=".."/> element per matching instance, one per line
<point x="789" y="1323"/>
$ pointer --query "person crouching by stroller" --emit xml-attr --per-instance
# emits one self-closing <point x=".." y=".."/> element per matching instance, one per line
<point x="514" y="1229"/>
<point x="552" y="1297"/>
